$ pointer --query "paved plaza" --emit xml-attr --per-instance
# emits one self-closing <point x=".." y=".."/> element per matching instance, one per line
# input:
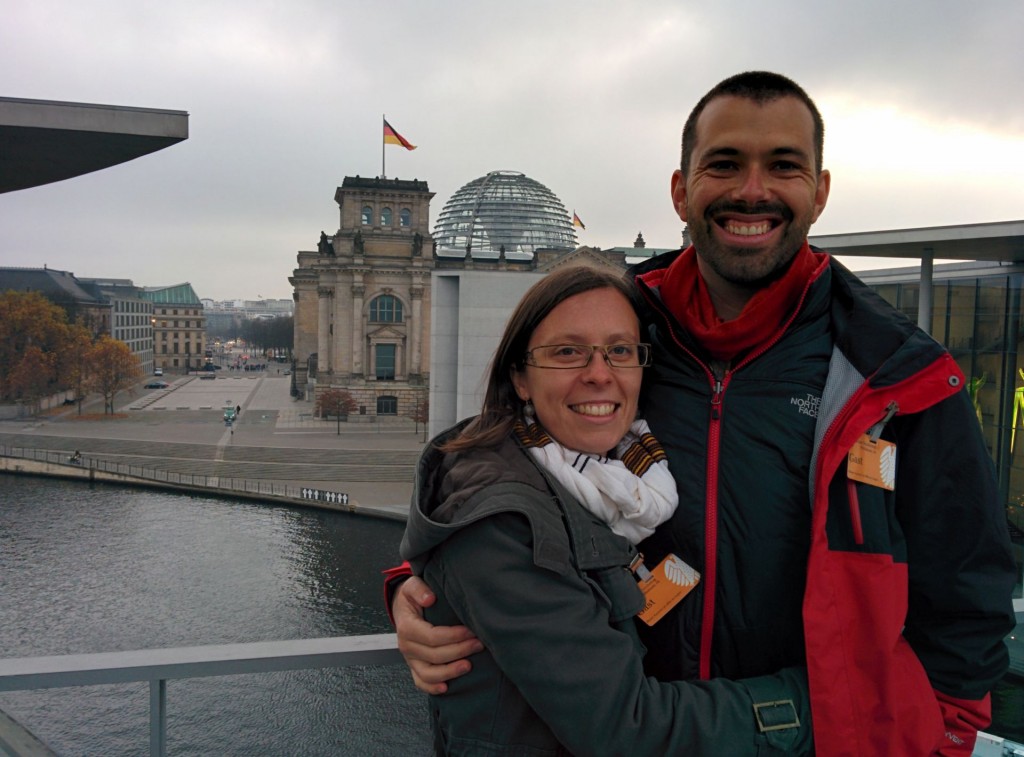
<point x="275" y="437"/>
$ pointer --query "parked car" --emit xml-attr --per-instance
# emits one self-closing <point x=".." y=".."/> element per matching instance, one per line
<point x="207" y="375"/>
<point x="158" y="371"/>
<point x="157" y="385"/>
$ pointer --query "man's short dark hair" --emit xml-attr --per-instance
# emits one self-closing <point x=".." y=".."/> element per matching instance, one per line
<point x="762" y="87"/>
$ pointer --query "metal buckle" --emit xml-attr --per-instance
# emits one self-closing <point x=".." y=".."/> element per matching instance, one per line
<point x="769" y="715"/>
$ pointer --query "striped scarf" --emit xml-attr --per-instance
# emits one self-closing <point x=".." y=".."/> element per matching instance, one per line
<point x="632" y="492"/>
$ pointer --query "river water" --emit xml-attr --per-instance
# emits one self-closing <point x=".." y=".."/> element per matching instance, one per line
<point x="103" y="569"/>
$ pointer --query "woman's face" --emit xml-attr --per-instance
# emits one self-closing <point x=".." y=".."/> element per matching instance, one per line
<point x="585" y="409"/>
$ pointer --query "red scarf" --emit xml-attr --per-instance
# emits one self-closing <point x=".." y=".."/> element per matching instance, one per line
<point x="686" y="296"/>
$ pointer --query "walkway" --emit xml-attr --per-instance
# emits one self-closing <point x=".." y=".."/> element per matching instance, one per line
<point x="181" y="429"/>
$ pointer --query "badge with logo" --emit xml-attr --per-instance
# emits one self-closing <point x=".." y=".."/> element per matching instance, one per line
<point x="664" y="586"/>
<point x="873" y="462"/>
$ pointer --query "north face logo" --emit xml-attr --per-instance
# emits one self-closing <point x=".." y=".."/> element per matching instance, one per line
<point x="808" y="405"/>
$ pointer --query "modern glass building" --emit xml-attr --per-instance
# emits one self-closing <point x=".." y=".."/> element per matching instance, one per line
<point x="974" y="309"/>
<point x="976" y="313"/>
<point x="504" y="210"/>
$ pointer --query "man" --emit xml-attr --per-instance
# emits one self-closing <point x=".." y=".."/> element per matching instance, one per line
<point x="835" y="492"/>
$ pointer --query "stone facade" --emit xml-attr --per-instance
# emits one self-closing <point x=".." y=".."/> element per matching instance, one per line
<point x="362" y="299"/>
<point x="179" y="328"/>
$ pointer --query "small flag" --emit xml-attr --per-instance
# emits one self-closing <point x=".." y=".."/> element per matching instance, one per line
<point x="576" y="222"/>
<point x="392" y="137"/>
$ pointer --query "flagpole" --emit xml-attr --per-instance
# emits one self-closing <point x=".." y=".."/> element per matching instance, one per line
<point x="383" y="144"/>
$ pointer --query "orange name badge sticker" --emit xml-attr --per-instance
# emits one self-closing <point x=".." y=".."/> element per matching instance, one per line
<point x="668" y="583"/>
<point x="873" y="462"/>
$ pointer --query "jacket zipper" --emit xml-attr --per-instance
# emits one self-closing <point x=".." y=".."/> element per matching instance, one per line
<point x="711" y="527"/>
<point x="718" y="385"/>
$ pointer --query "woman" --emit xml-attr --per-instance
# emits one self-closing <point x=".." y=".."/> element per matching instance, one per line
<point x="523" y="523"/>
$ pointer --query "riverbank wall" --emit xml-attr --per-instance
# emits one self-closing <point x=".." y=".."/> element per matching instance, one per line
<point x="249" y="490"/>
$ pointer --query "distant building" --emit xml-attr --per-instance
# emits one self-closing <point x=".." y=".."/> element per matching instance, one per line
<point x="362" y="299"/>
<point x="179" y="327"/>
<point x="504" y="213"/>
<point x="365" y="315"/>
<point x="130" y="316"/>
<point x="225" y="317"/>
<point x="62" y="289"/>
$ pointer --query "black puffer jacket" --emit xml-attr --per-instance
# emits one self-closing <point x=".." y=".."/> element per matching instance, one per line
<point x="898" y="601"/>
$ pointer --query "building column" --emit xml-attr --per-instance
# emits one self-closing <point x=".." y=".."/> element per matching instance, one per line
<point x="358" y="345"/>
<point x="415" y="330"/>
<point x="924" y="296"/>
<point x="323" y="331"/>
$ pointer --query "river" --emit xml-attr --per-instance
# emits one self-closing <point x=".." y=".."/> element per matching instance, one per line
<point x="102" y="569"/>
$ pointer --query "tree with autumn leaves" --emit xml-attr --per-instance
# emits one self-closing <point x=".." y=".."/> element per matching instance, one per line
<point x="41" y="354"/>
<point x="113" y="368"/>
<point x="32" y="331"/>
<point x="336" y="402"/>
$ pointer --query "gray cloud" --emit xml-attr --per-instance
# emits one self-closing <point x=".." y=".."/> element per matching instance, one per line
<point x="586" y="97"/>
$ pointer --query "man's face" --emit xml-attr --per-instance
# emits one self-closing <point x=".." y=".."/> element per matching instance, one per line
<point x="752" y="191"/>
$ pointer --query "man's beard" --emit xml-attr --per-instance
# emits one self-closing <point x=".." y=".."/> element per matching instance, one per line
<point x="749" y="267"/>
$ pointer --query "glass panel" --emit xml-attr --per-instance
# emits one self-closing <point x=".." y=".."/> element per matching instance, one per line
<point x="940" y="307"/>
<point x="387" y="406"/>
<point x="385" y="362"/>
<point x="385" y="217"/>
<point x="961" y="300"/>
<point x="386" y="309"/>
<point x="367" y="216"/>
<point x="404" y="218"/>
<point x="890" y="292"/>
<point x="1008" y="695"/>
<point x="909" y="294"/>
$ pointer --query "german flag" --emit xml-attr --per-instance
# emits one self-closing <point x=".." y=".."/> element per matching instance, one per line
<point x="392" y="137"/>
<point x="576" y="222"/>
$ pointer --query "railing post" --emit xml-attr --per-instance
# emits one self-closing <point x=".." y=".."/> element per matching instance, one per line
<point x="158" y="717"/>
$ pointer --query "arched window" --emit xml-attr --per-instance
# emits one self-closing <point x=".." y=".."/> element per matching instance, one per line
<point x="386" y="309"/>
<point x="367" y="217"/>
<point x="385" y="217"/>
<point x="387" y="406"/>
<point x="405" y="218"/>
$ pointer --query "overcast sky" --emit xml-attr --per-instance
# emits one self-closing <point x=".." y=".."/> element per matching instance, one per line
<point x="923" y="105"/>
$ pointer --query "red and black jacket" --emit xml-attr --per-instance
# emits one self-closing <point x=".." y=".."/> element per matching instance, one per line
<point x="897" y="602"/>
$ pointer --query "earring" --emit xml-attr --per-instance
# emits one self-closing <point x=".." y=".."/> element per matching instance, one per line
<point x="528" y="410"/>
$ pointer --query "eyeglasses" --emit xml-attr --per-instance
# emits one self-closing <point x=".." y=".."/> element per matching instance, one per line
<point x="569" y="356"/>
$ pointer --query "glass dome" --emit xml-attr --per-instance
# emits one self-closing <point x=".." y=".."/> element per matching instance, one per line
<point x="504" y="208"/>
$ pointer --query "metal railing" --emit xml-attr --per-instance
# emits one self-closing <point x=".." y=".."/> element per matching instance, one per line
<point x="120" y="667"/>
<point x="157" y="666"/>
<point x="161" y="476"/>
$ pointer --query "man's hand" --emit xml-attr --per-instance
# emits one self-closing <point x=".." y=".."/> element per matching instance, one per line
<point x="434" y="654"/>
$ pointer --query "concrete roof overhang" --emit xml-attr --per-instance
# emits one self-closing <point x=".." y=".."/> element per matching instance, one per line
<point x="1002" y="241"/>
<point x="45" y="141"/>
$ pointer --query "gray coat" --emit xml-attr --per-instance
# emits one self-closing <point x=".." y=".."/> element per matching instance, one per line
<point x="545" y="585"/>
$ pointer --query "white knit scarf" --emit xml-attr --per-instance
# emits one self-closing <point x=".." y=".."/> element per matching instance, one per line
<point x="632" y="492"/>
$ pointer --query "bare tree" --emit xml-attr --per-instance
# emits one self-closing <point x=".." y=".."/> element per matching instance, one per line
<point x="421" y="414"/>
